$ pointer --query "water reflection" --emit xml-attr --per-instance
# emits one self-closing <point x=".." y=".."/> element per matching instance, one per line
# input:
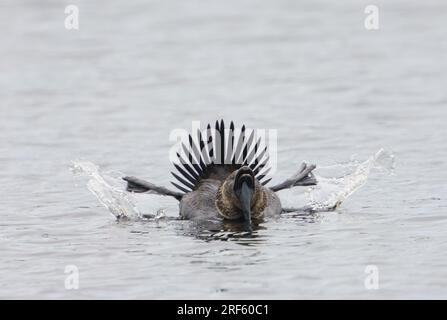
<point x="302" y="216"/>
<point x="223" y="230"/>
<point x="210" y="230"/>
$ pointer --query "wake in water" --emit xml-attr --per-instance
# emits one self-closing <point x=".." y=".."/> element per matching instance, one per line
<point x="341" y="181"/>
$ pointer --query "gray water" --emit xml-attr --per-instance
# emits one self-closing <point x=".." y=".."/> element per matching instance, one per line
<point x="111" y="92"/>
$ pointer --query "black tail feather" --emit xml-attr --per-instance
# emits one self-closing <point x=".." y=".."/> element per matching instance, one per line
<point x="180" y="187"/>
<point x="239" y="145"/>
<point x="219" y="149"/>
<point x="222" y="142"/>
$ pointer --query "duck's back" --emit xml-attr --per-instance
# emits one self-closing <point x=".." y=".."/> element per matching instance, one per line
<point x="273" y="206"/>
<point x="200" y="203"/>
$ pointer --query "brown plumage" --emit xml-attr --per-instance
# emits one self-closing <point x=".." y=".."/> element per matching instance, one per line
<point x="222" y="175"/>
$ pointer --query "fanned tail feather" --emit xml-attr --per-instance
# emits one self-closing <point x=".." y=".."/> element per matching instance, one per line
<point x="216" y="149"/>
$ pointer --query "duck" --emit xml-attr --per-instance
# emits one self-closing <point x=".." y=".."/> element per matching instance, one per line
<point x="223" y="175"/>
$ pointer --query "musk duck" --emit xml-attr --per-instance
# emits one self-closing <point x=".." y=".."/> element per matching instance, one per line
<point x="222" y="174"/>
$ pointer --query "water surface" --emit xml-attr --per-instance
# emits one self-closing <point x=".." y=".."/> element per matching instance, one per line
<point x="111" y="93"/>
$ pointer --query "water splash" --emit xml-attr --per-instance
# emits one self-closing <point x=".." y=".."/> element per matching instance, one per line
<point x="335" y="184"/>
<point x="331" y="192"/>
<point x="107" y="188"/>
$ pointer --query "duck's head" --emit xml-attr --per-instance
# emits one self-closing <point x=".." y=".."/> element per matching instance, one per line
<point x="241" y="196"/>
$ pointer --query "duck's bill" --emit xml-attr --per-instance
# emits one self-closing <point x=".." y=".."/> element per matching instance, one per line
<point x="245" y="199"/>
